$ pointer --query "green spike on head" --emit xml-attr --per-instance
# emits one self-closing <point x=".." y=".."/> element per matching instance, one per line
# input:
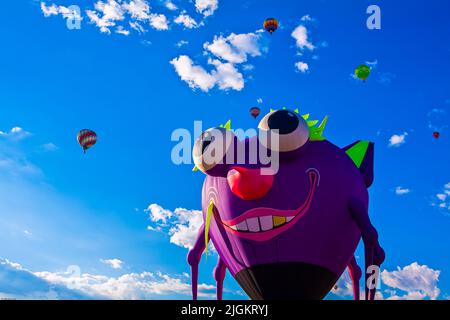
<point x="316" y="133"/>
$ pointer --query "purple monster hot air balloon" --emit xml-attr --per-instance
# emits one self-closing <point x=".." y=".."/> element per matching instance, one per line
<point x="288" y="233"/>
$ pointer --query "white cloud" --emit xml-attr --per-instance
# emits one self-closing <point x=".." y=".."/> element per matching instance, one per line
<point x="418" y="281"/>
<point x="159" y="22"/>
<point x="122" y="31"/>
<point x="306" y="18"/>
<point x="15" y="133"/>
<point x="171" y="6"/>
<point x="54" y="10"/>
<point x="302" y="66"/>
<point x="397" y="139"/>
<point x="131" y="286"/>
<point x="236" y="47"/>
<point x="106" y="14"/>
<point x="138" y="9"/>
<point x="116" y="15"/>
<point x="194" y="75"/>
<point x="158" y="214"/>
<point x="17" y="282"/>
<point x="372" y="64"/>
<point x="415" y="282"/>
<point x="343" y="288"/>
<point x="248" y="67"/>
<point x="206" y="7"/>
<point x="182" y="225"/>
<point x="181" y="43"/>
<point x="137" y="26"/>
<point x="146" y="42"/>
<point x="49" y="10"/>
<point x="300" y="34"/>
<point x="259" y="100"/>
<point x="113" y="263"/>
<point x="186" y="20"/>
<point x="401" y="191"/>
<point x="230" y="51"/>
<point x="442" y="199"/>
<point x="225" y="75"/>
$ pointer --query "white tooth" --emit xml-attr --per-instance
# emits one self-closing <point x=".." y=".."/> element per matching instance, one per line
<point x="233" y="227"/>
<point x="289" y="218"/>
<point x="266" y="223"/>
<point x="253" y="224"/>
<point x="242" y="226"/>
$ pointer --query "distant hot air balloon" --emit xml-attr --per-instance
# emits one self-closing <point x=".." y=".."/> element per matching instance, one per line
<point x="436" y="134"/>
<point x="86" y="138"/>
<point x="362" y="72"/>
<point x="255" y="112"/>
<point x="271" y="24"/>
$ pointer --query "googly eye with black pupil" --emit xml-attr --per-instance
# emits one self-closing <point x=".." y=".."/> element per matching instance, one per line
<point x="291" y="131"/>
<point x="212" y="147"/>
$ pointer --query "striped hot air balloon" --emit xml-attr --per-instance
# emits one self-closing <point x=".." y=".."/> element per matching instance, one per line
<point x="86" y="138"/>
<point x="271" y="24"/>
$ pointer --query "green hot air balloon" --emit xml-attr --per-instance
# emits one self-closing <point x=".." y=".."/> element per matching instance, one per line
<point x="362" y="72"/>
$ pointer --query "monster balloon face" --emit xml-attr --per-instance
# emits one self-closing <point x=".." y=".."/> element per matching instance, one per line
<point x="287" y="233"/>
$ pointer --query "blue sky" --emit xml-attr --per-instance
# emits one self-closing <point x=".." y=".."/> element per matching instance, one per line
<point x="209" y="61"/>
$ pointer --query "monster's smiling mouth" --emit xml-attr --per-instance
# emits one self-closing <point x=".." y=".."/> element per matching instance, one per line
<point x="262" y="224"/>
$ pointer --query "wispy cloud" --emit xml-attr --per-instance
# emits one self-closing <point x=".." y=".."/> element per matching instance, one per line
<point x="306" y="18"/>
<point x="442" y="198"/>
<point x="187" y="21"/>
<point x="182" y="43"/>
<point x="385" y="78"/>
<point x="437" y="119"/>
<point x="55" y="10"/>
<point x="113" y="263"/>
<point x="124" y="16"/>
<point x="400" y="191"/>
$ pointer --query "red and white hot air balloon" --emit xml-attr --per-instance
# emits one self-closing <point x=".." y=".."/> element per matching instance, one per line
<point x="86" y="138"/>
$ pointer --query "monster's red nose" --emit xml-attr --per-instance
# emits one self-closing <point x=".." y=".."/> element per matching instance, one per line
<point x="249" y="184"/>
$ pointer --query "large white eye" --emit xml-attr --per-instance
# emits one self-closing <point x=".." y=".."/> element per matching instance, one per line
<point x="289" y="130"/>
<point x="211" y="148"/>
